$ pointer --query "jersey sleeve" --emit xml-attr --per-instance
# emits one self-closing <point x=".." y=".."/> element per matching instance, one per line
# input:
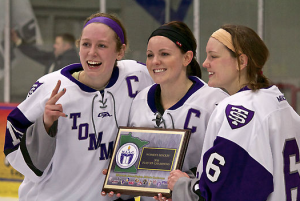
<point x="230" y="173"/>
<point x="145" y="79"/>
<point x="28" y="147"/>
<point x="235" y="164"/>
<point x="186" y="189"/>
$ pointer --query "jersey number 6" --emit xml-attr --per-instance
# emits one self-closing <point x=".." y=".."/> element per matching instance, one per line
<point x="291" y="169"/>
<point x="215" y="168"/>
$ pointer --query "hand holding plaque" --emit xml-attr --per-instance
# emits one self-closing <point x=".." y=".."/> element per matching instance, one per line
<point x="143" y="159"/>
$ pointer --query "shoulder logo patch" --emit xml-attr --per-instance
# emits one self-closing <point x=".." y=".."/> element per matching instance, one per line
<point x="34" y="87"/>
<point x="238" y="116"/>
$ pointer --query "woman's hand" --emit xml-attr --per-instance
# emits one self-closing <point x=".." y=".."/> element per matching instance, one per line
<point x="111" y="193"/>
<point x="161" y="198"/>
<point x="52" y="110"/>
<point x="174" y="176"/>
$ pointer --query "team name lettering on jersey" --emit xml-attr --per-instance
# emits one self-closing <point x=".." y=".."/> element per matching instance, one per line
<point x="281" y="98"/>
<point x="34" y="87"/>
<point x="106" y="149"/>
<point x="238" y="116"/>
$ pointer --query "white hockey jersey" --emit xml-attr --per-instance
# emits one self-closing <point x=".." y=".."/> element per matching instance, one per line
<point x="251" y="149"/>
<point x="191" y="112"/>
<point x="69" y="166"/>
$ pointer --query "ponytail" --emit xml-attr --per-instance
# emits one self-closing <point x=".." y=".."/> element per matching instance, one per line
<point x="194" y="69"/>
<point x="260" y="82"/>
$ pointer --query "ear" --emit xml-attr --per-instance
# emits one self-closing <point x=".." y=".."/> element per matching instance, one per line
<point x="187" y="58"/>
<point x="121" y="53"/>
<point x="243" y="61"/>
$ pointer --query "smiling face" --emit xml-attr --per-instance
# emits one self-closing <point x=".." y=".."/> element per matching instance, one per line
<point x="165" y="61"/>
<point x="221" y="66"/>
<point x="98" y="52"/>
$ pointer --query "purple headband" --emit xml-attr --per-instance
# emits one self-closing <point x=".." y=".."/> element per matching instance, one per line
<point x="109" y="22"/>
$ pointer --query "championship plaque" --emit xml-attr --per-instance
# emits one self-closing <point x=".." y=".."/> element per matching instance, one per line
<point x="143" y="159"/>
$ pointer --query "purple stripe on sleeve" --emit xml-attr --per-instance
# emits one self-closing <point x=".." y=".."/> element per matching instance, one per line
<point x="16" y="126"/>
<point x="230" y="173"/>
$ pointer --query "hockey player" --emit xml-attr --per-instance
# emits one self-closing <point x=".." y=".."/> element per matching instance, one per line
<point x="61" y="140"/>
<point x="179" y="99"/>
<point x="251" y="146"/>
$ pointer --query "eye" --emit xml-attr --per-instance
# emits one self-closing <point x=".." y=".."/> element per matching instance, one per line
<point x="102" y="46"/>
<point x="165" y="54"/>
<point x="85" y="44"/>
<point x="149" y="55"/>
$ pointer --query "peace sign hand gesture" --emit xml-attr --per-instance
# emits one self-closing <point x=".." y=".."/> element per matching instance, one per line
<point x="52" y="110"/>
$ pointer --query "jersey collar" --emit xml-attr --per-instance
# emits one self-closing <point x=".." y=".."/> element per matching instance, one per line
<point x="70" y="69"/>
<point x="151" y="94"/>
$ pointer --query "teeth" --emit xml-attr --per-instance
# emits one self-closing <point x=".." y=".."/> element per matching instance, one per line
<point x="159" y="70"/>
<point x="210" y="73"/>
<point x="94" y="63"/>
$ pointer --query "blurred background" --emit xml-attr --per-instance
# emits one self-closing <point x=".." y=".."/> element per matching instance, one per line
<point x="40" y="21"/>
<point x="280" y="28"/>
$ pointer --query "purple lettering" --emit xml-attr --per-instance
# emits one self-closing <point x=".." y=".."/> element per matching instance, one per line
<point x="74" y="116"/>
<point x="188" y="117"/>
<point x="130" y="92"/>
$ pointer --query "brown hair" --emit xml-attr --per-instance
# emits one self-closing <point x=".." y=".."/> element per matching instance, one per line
<point x="193" y="69"/>
<point x="247" y="41"/>
<point x="114" y="18"/>
<point x="67" y="38"/>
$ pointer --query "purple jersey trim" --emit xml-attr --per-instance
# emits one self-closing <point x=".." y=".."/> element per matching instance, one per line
<point x="20" y="123"/>
<point x="151" y="98"/>
<point x="239" y="178"/>
<point x="141" y="63"/>
<point x="246" y="88"/>
<point x="70" y="69"/>
<point x="151" y="94"/>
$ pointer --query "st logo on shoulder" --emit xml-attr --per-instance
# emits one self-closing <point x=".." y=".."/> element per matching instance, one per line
<point x="238" y="116"/>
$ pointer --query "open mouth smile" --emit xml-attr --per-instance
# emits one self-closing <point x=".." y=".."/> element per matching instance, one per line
<point x="93" y="63"/>
<point x="159" y="70"/>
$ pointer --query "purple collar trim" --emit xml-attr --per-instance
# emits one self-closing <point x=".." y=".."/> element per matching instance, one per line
<point x="245" y="88"/>
<point x="69" y="70"/>
<point x="151" y="94"/>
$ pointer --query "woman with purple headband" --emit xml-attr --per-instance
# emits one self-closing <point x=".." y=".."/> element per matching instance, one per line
<point x="61" y="136"/>
<point x="251" y="147"/>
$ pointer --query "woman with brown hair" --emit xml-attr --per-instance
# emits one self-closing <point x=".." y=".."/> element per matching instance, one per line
<point x="251" y="146"/>
<point x="179" y="99"/>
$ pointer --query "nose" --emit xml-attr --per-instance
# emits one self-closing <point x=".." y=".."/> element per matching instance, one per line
<point x="205" y="63"/>
<point x="92" y="51"/>
<point x="156" y="60"/>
